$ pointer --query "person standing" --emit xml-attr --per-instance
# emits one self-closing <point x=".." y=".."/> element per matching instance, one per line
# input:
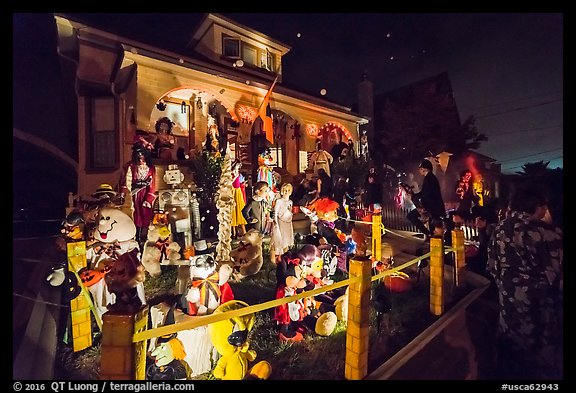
<point x="430" y="196"/>
<point x="467" y="198"/>
<point x="404" y="201"/>
<point x="525" y="256"/>
<point x="324" y="184"/>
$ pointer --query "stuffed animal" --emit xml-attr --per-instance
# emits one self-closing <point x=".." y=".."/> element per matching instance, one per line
<point x="123" y="279"/>
<point x="230" y="338"/>
<point x="209" y="287"/>
<point x="247" y="256"/>
<point x="159" y="246"/>
<point x="290" y="280"/>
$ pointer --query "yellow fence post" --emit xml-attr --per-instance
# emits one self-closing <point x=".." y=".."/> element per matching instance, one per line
<point x="357" y="331"/>
<point x="436" y="275"/>
<point x="459" y="256"/>
<point x="121" y="358"/>
<point x="376" y="237"/>
<point x="79" y="306"/>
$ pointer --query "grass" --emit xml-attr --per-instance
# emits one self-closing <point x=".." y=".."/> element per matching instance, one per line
<point x="316" y="357"/>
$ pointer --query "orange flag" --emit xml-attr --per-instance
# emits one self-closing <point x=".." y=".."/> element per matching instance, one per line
<point x="265" y="113"/>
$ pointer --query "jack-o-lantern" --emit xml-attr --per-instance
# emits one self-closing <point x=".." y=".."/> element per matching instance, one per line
<point x="398" y="282"/>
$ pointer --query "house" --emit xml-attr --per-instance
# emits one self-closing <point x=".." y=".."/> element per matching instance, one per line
<point x="426" y="111"/>
<point x="222" y="76"/>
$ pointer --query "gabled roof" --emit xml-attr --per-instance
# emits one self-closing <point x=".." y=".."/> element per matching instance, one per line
<point x="221" y="20"/>
<point x="134" y="32"/>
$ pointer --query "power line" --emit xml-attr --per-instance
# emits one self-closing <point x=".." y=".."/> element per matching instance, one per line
<point x="519" y="108"/>
<point x="531" y="155"/>
<point x="525" y="130"/>
<point x="520" y="166"/>
<point x="516" y="100"/>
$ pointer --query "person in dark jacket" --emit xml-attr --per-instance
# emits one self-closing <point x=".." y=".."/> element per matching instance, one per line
<point x="430" y="195"/>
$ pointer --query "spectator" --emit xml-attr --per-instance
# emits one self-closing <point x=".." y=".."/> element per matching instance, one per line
<point x="430" y="195"/>
<point x="324" y="185"/>
<point x="525" y="256"/>
<point x="467" y="198"/>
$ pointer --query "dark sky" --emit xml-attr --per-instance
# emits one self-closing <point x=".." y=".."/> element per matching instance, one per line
<point x="505" y="69"/>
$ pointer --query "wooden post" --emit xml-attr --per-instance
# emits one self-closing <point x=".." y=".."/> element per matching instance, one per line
<point x="121" y="358"/>
<point x="436" y="275"/>
<point x="376" y="237"/>
<point x="459" y="256"/>
<point x="357" y="332"/>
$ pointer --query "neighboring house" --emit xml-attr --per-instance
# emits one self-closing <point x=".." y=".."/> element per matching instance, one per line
<point x="222" y="76"/>
<point x="425" y="108"/>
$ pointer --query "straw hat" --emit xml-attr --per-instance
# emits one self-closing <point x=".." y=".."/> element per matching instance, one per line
<point x="104" y="190"/>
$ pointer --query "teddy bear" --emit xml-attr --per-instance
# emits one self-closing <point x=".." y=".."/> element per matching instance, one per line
<point x="159" y="246"/>
<point x="247" y="256"/>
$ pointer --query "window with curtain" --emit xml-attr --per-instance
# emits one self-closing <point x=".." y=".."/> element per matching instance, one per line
<point x="102" y="140"/>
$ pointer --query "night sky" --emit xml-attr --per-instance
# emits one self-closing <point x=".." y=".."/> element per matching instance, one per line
<point x="505" y="69"/>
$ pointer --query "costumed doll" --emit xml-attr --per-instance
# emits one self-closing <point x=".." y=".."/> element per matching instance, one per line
<point x="291" y="280"/>
<point x="215" y="143"/>
<point x="168" y="355"/>
<point x="165" y="141"/>
<point x="321" y="159"/>
<point x="257" y="209"/>
<point x="139" y="179"/>
<point x="265" y="172"/>
<point x="325" y="210"/>
<point x="239" y="185"/>
<point x="282" y="237"/>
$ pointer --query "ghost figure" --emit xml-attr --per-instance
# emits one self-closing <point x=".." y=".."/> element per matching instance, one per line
<point x="114" y="234"/>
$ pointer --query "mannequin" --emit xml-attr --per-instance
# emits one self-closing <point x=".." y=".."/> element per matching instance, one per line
<point x="139" y="179"/>
<point x="283" y="232"/>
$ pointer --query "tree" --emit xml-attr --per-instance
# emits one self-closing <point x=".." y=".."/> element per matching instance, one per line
<point x="534" y="169"/>
<point x="422" y="120"/>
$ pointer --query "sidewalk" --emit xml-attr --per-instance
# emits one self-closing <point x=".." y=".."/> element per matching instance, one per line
<point x="463" y="350"/>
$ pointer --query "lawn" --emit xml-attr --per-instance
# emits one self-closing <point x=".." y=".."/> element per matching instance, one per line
<point x="316" y="357"/>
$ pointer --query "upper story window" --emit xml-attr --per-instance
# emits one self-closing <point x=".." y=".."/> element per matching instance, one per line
<point x="235" y="48"/>
<point x="231" y="47"/>
<point x="250" y="55"/>
<point x="102" y="134"/>
<point x="267" y="60"/>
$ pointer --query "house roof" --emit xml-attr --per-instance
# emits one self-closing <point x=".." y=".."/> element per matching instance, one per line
<point x="158" y="40"/>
